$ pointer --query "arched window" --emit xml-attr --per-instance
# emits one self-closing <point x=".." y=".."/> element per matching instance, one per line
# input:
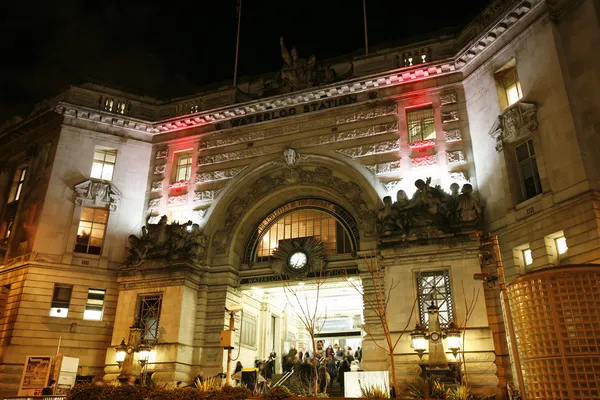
<point x="303" y="218"/>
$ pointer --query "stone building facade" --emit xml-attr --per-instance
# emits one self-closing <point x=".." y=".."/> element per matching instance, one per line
<point x="506" y="107"/>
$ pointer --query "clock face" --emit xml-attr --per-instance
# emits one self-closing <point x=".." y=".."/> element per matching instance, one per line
<point x="298" y="260"/>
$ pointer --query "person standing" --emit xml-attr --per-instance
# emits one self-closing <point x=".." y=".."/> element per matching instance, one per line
<point x="49" y="390"/>
<point x="344" y="367"/>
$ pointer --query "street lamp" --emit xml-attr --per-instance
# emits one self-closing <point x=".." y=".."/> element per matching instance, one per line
<point x="143" y="352"/>
<point x="121" y="350"/>
<point x="453" y="338"/>
<point x="419" y="339"/>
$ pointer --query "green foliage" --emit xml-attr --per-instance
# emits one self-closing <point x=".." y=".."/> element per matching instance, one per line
<point x="278" y="393"/>
<point x="462" y="392"/>
<point x="425" y="388"/>
<point x="207" y="384"/>
<point x="374" y="392"/>
<point x="110" y="392"/>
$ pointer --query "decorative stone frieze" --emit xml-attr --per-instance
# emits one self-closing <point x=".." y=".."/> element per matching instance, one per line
<point x="391" y="185"/>
<point x="448" y="98"/>
<point x="205" y="196"/>
<point x="377" y="112"/>
<point x="156" y="185"/>
<point x="162" y="153"/>
<point x="516" y="122"/>
<point x="248" y="137"/>
<point x="98" y="194"/>
<point x="422" y="143"/>
<point x="238" y="155"/>
<point x="177" y="200"/>
<point x="456" y="157"/>
<point x="449" y="116"/>
<point x="179" y="184"/>
<point x="423" y="161"/>
<point x="159" y="169"/>
<point x="154" y="204"/>
<point x="357" y="133"/>
<point x="384" y="168"/>
<point x="452" y="135"/>
<point x="218" y="175"/>
<point x="371" y="149"/>
<point x="459" y="176"/>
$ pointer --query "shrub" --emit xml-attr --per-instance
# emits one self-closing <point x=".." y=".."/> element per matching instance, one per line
<point x="374" y="392"/>
<point x="425" y="388"/>
<point x="278" y="393"/>
<point x="110" y="392"/>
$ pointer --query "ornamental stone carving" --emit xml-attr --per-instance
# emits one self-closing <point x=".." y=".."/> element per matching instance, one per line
<point x="459" y="176"/>
<point x="384" y="168"/>
<point x="218" y="175"/>
<point x="179" y="184"/>
<point x="367" y="114"/>
<point x="238" y="155"/>
<point x="320" y="176"/>
<point x="357" y="133"/>
<point x="162" y="153"/>
<point x="97" y="193"/>
<point x="160" y="241"/>
<point x="423" y="161"/>
<point x="516" y="122"/>
<point x="391" y="185"/>
<point x="177" y="200"/>
<point x="370" y="149"/>
<point x="199" y="214"/>
<point x="156" y="185"/>
<point x="159" y="169"/>
<point x="431" y="213"/>
<point x="449" y="116"/>
<point x="154" y="204"/>
<point x="452" y="135"/>
<point x="205" y="196"/>
<point x="448" y="98"/>
<point x="456" y="157"/>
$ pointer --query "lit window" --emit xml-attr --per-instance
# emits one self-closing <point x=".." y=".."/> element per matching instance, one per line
<point x="95" y="305"/>
<point x="194" y="108"/>
<point x="90" y="233"/>
<point x="149" y="316"/>
<point x="109" y="104"/>
<point x="561" y="245"/>
<point x="61" y="300"/>
<point x="121" y="107"/>
<point x="434" y="288"/>
<point x="104" y="164"/>
<point x="528" y="171"/>
<point x="183" y="166"/>
<point x="421" y="124"/>
<point x="248" y="331"/>
<point x="9" y="227"/>
<point x="512" y="86"/>
<point x="527" y="257"/>
<point x="17" y="188"/>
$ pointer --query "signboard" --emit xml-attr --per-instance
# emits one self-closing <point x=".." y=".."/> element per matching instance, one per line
<point x="35" y="375"/>
<point x="67" y="375"/>
<point x="337" y="324"/>
<point x="276" y="278"/>
<point x="354" y="381"/>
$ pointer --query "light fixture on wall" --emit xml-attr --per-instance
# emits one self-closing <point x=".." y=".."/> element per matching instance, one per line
<point x="121" y="350"/>
<point x="421" y="336"/>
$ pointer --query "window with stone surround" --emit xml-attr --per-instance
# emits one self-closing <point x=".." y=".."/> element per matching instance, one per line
<point x="103" y="166"/>
<point x="94" y="306"/>
<point x="509" y="86"/>
<point x="434" y="288"/>
<point x="149" y="309"/>
<point x="248" y="331"/>
<point x="528" y="171"/>
<point x="182" y="166"/>
<point x="61" y="299"/>
<point x="91" y="230"/>
<point x="114" y="105"/>
<point x="17" y="188"/>
<point x="420" y="124"/>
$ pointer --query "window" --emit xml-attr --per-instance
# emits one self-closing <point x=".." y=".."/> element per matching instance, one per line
<point x="90" y="233"/>
<point x="248" y="331"/>
<point x="528" y="171"/>
<point x="111" y="105"/>
<point x="434" y="288"/>
<point x="17" y="188"/>
<point x="421" y="124"/>
<point x="95" y="305"/>
<point x="149" y="316"/>
<point x="183" y="166"/>
<point x="61" y="300"/>
<point x="9" y="227"/>
<point x="527" y="257"/>
<point x="104" y="164"/>
<point x="561" y="245"/>
<point x="511" y="85"/>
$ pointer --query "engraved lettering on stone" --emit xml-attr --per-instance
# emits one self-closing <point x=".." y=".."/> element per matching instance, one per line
<point x="367" y="114"/>
<point x="218" y="175"/>
<point x="177" y="200"/>
<point x="456" y="157"/>
<point x="384" y="168"/>
<point x="154" y="203"/>
<point x="370" y="149"/>
<point x="351" y="134"/>
<point x="453" y="135"/>
<point x="157" y="185"/>
<point x="448" y="98"/>
<point x="204" y="196"/>
<point x="449" y="116"/>
<point x="237" y="155"/>
<point x="424" y="161"/>
<point x="159" y="169"/>
<point x="162" y="153"/>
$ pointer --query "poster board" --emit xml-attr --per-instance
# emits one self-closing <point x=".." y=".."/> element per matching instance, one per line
<point x="354" y="381"/>
<point x="35" y="375"/>
<point x="67" y="375"/>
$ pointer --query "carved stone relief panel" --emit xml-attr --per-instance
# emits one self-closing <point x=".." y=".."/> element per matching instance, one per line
<point x="218" y="175"/>
<point x="179" y="184"/>
<point x="391" y="186"/>
<point x="367" y="114"/>
<point x="370" y="149"/>
<point x="358" y="133"/>
<point x="240" y="154"/>
<point x="249" y="137"/>
<point x="448" y="98"/>
<point x="459" y="176"/>
<point x="177" y="200"/>
<point x="384" y="168"/>
<point x="449" y="116"/>
<point x="456" y="157"/>
<point x="159" y="169"/>
<point x="205" y="196"/>
<point x="162" y="153"/>
<point x="423" y="161"/>
<point x="453" y="135"/>
<point x="97" y="193"/>
<point x="156" y="185"/>
<point x="154" y="204"/>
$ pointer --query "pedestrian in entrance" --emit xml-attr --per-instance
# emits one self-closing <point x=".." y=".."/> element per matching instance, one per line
<point x="332" y="369"/>
<point x="323" y="378"/>
<point x="49" y="390"/>
<point x="344" y="367"/>
<point x="329" y="352"/>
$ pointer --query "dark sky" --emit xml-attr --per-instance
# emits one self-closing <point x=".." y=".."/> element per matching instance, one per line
<point x="170" y="48"/>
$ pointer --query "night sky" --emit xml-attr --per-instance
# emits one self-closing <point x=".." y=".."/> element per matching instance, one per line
<point x="172" y="48"/>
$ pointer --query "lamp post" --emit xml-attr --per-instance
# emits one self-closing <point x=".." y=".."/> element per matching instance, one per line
<point x="125" y="353"/>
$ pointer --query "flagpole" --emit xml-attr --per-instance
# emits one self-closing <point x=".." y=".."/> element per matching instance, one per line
<point x="365" y="18"/>
<point x="237" y="44"/>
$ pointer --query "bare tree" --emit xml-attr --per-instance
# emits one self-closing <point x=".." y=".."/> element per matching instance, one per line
<point x="310" y="314"/>
<point x="377" y="301"/>
<point x="469" y="308"/>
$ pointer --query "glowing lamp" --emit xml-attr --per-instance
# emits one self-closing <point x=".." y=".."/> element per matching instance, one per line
<point x="453" y="338"/>
<point x="143" y="353"/>
<point x="419" y="340"/>
<point x="121" y="350"/>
